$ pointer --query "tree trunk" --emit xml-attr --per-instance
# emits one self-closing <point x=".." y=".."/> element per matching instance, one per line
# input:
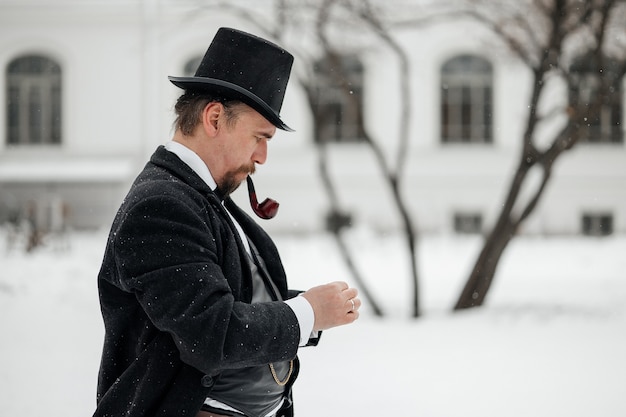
<point x="390" y="176"/>
<point x="480" y="280"/>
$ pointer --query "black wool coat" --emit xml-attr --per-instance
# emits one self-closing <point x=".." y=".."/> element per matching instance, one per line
<point x="175" y="291"/>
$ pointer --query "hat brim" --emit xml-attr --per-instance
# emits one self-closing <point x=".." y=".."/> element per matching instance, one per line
<point x="231" y="90"/>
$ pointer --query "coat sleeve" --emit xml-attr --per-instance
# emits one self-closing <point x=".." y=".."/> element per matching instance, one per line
<point x="170" y="253"/>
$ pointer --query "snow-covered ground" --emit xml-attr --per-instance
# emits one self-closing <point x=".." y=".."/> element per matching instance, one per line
<point x="551" y="340"/>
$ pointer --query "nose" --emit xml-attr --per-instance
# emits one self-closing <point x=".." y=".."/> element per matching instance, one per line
<point x="260" y="152"/>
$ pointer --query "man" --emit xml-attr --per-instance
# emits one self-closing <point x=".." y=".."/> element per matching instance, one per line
<point x="198" y="317"/>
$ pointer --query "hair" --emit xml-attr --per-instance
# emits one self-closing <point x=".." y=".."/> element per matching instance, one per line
<point x="190" y="105"/>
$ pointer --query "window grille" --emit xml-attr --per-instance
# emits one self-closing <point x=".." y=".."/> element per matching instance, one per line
<point x="466" y="100"/>
<point x="338" y="100"/>
<point x="604" y="121"/>
<point x="468" y="223"/>
<point x="597" y="224"/>
<point x="33" y="101"/>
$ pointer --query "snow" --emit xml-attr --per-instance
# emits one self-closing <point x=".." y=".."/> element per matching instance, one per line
<point x="550" y="341"/>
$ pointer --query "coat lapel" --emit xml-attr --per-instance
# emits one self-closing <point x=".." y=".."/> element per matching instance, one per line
<point x="266" y="248"/>
<point x="174" y="165"/>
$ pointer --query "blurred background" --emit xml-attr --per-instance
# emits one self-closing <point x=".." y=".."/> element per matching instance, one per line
<point x="437" y="144"/>
<point x="437" y="87"/>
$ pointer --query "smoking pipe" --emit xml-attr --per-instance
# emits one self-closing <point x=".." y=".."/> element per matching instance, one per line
<point x="267" y="209"/>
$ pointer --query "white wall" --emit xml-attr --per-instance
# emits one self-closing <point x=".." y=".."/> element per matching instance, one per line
<point x="117" y="107"/>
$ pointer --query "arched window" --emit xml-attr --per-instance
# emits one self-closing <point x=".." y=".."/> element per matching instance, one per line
<point x="466" y="100"/>
<point x="33" y="101"/>
<point x="338" y="102"/>
<point x="604" y="118"/>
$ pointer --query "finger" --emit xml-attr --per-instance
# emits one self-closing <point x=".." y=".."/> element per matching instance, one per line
<point x="342" y="285"/>
<point x="351" y="305"/>
<point x="350" y="293"/>
<point x="352" y="316"/>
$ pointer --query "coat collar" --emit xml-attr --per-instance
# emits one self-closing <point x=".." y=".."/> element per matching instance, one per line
<point x="173" y="164"/>
<point x="194" y="161"/>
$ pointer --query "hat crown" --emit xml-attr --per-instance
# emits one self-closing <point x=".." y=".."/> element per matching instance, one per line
<point x="249" y="62"/>
<point x="244" y="67"/>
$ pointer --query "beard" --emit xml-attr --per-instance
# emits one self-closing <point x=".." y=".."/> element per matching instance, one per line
<point x="231" y="181"/>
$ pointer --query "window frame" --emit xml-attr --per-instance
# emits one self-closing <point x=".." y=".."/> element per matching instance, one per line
<point x="33" y="105"/>
<point x="467" y="222"/>
<point x="607" y="127"/>
<point x="338" y="120"/>
<point x="466" y="94"/>
<point x="597" y="223"/>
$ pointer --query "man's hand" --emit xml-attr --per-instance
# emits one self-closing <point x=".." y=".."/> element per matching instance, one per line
<point x="334" y="304"/>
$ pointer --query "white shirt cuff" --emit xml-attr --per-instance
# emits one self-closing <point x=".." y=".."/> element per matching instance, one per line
<point x="305" y="315"/>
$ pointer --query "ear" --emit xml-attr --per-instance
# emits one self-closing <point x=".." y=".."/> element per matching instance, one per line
<point x="210" y="117"/>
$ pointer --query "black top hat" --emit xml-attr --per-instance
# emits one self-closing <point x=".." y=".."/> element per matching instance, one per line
<point x="245" y="67"/>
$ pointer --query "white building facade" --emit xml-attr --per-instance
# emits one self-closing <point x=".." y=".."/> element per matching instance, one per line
<point x="100" y="69"/>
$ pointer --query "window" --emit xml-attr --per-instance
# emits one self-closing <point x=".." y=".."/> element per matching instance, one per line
<point x="604" y="123"/>
<point x="338" y="100"/>
<point x="468" y="223"/>
<point x="33" y="101"/>
<point x="191" y="66"/>
<point x="466" y="100"/>
<point x="597" y="224"/>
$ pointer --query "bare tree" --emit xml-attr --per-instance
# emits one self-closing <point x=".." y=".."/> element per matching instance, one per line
<point x="555" y="39"/>
<point x="546" y="35"/>
<point x="364" y="18"/>
<point x="364" y="12"/>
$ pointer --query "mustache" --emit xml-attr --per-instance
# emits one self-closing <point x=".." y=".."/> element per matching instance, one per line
<point x="230" y="182"/>
<point x="248" y="169"/>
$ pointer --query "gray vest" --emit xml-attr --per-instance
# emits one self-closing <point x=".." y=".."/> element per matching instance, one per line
<point x="254" y="390"/>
